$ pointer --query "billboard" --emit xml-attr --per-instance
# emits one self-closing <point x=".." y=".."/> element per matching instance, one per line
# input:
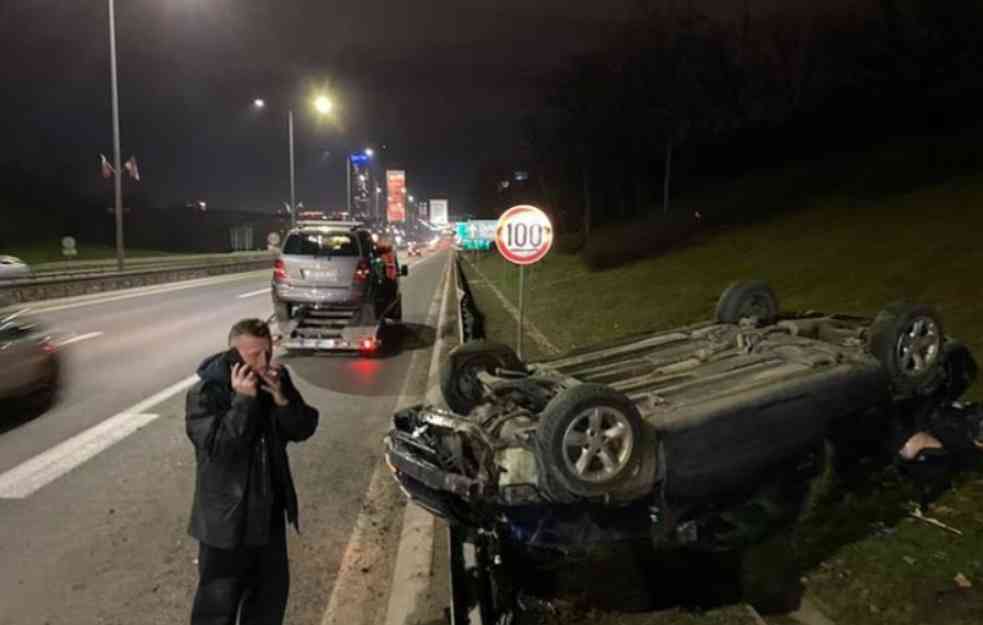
<point x="396" y="194"/>
<point x="438" y="212"/>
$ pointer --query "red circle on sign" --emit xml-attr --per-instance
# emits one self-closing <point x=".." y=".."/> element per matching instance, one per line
<point x="524" y="235"/>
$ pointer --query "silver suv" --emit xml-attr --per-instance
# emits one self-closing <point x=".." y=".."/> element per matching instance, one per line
<point x="334" y="288"/>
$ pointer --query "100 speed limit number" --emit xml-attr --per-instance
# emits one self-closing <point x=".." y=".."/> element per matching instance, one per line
<point x="524" y="235"/>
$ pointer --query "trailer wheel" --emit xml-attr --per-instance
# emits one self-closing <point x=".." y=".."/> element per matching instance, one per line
<point x="591" y="436"/>
<point x="459" y="383"/>
<point x="907" y="340"/>
<point x="753" y="298"/>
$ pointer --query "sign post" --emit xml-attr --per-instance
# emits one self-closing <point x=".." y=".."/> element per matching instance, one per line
<point x="68" y="247"/>
<point x="523" y="235"/>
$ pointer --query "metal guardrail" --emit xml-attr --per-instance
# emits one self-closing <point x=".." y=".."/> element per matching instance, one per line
<point x="21" y="291"/>
<point x="42" y="279"/>
<point x="471" y="322"/>
<point x="472" y="591"/>
<point x="108" y="268"/>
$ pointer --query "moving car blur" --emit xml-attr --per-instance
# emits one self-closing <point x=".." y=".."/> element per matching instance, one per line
<point x="13" y="267"/>
<point x="29" y="361"/>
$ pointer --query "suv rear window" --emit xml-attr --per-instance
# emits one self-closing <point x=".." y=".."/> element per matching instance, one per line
<point x="322" y="244"/>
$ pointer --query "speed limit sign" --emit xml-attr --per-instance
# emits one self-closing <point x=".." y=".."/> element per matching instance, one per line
<point x="524" y="234"/>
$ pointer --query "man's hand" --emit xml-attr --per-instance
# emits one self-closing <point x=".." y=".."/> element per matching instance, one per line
<point x="244" y="381"/>
<point x="273" y="386"/>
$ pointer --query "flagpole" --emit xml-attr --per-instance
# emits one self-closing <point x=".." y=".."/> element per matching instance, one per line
<point x="117" y="170"/>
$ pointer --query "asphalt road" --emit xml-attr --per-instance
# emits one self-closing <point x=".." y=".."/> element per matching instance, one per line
<point x="105" y="542"/>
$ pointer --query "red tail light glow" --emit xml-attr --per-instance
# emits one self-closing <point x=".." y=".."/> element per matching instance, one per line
<point x="362" y="272"/>
<point x="279" y="271"/>
<point x="369" y="344"/>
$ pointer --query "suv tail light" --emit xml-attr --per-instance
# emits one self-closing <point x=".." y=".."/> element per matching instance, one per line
<point x="279" y="271"/>
<point x="362" y="272"/>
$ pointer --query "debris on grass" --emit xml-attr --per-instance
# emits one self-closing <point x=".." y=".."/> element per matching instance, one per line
<point x="917" y="514"/>
<point x="962" y="581"/>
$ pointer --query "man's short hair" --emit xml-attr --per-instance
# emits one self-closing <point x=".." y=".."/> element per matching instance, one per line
<point x="250" y="327"/>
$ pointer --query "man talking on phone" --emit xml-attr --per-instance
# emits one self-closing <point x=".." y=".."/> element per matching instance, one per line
<point x="240" y="417"/>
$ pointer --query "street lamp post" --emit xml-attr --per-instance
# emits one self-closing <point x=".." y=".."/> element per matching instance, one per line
<point x="293" y="198"/>
<point x="323" y="105"/>
<point x="117" y="173"/>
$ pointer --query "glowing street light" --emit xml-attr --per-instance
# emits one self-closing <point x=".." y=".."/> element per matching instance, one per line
<point x="259" y="103"/>
<point x="323" y="104"/>
<point x="369" y="152"/>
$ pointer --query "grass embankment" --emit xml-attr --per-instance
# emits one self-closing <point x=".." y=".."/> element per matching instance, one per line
<point x="862" y="559"/>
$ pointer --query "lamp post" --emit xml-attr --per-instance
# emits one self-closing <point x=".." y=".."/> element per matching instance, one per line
<point x="323" y="105"/>
<point x="117" y="174"/>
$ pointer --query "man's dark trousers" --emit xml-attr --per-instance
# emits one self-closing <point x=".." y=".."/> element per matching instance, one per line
<point x="257" y="578"/>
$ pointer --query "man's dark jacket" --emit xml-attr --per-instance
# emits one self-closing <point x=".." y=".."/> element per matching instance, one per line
<point x="243" y="475"/>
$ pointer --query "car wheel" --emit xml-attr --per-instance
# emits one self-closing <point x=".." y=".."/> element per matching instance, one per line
<point x="753" y="298"/>
<point x="459" y="383"/>
<point x="907" y="340"/>
<point x="591" y="438"/>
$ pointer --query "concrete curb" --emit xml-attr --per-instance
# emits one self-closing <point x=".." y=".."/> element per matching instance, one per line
<point x="350" y="596"/>
<point x="414" y="561"/>
<point x="531" y="329"/>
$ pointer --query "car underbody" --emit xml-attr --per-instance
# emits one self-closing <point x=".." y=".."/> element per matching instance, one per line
<point x="673" y="435"/>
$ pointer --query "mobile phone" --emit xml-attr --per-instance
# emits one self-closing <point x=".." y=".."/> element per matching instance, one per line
<point x="233" y="357"/>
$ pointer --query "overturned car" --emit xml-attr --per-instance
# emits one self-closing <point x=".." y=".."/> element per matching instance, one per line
<point x="668" y="435"/>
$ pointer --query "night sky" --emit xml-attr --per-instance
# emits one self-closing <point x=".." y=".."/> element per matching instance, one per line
<point x="442" y="84"/>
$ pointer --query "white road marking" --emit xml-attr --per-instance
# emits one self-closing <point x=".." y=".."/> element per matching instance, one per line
<point x="254" y="293"/>
<point x="78" y="339"/>
<point x="31" y="475"/>
<point x="144" y="291"/>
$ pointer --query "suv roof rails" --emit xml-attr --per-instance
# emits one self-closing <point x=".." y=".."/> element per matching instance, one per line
<point x="330" y="224"/>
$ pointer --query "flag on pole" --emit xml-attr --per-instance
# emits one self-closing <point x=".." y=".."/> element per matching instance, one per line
<point x="107" y="169"/>
<point x="131" y="166"/>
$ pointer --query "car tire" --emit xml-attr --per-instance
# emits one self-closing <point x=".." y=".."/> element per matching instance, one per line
<point x="459" y="385"/>
<point x="908" y="341"/>
<point x="581" y="418"/>
<point x="752" y="298"/>
<point x="960" y="370"/>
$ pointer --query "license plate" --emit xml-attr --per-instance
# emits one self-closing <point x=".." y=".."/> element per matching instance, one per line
<point x="310" y="342"/>
<point x="321" y="275"/>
